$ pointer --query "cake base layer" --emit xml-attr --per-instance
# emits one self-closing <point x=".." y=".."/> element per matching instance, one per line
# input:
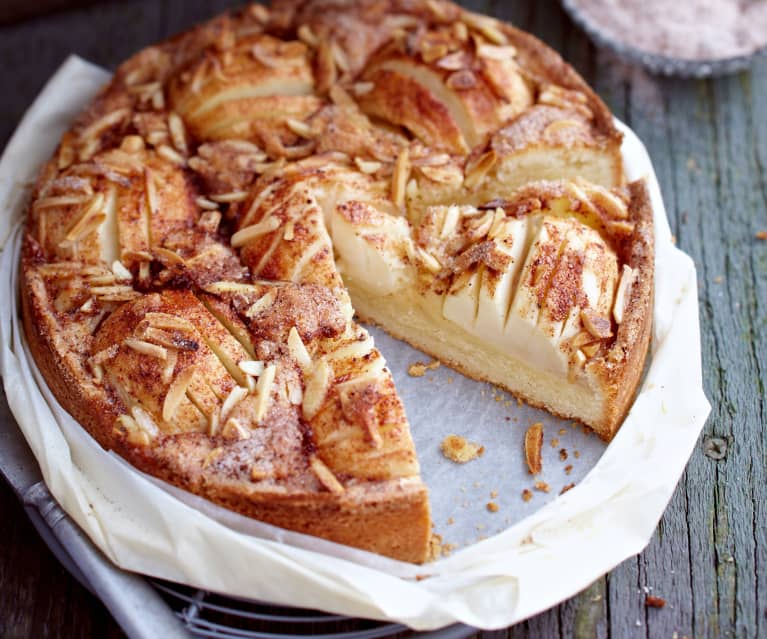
<point x="404" y="318"/>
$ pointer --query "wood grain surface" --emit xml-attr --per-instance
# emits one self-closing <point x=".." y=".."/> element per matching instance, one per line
<point x="708" y="141"/>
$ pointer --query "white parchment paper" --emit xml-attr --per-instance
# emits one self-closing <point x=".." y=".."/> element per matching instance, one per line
<point x="504" y="566"/>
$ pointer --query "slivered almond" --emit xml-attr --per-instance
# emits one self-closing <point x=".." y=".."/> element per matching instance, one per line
<point x="307" y="36"/>
<point x="294" y="391"/>
<point x="93" y="131"/>
<point x="400" y="178"/>
<point x="301" y="129"/>
<point x="367" y="166"/>
<point x="498" y="226"/>
<point x="432" y="52"/>
<point x="205" y="203"/>
<point x="144" y="421"/>
<point x="170" y="366"/>
<point x="233" y="429"/>
<point x="177" y="132"/>
<point x="297" y="348"/>
<point x="102" y="280"/>
<point x="622" y="293"/>
<point x="158" y="100"/>
<point x="478" y="169"/>
<point x="325" y="66"/>
<point x="339" y="56"/>
<point x="60" y="200"/>
<point x="264" y="391"/>
<point x="146" y="348"/>
<point x="169" y="340"/>
<point x="609" y="203"/>
<point x="317" y="385"/>
<point x="589" y="350"/>
<point x="177" y="392"/>
<point x="450" y="221"/>
<point x="132" y="144"/>
<point x="219" y="288"/>
<point x="437" y="9"/>
<point x="121" y="273"/>
<point x="596" y="324"/>
<point x="341" y="98"/>
<point x="235" y="396"/>
<point x="106" y="354"/>
<point x="429" y="261"/>
<point x="243" y="236"/>
<point x="461" y="31"/>
<point x="84" y="223"/>
<point x="165" y="320"/>
<point x="559" y="125"/>
<point x="325" y="475"/>
<point x="134" y="433"/>
<point x="485" y="26"/>
<point x="353" y="350"/>
<point x="454" y="61"/>
<point x="580" y="360"/>
<point x="290" y="231"/>
<point x="533" y="448"/>
<point x="209" y="221"/>
<point x="493" y="52"/>
<point x="167" y="256"/>
<point x="448" y="174"/>
<point x="251" y="367"/>
<point x="361" y="88"/>
<point x="231" y="196"/>
<point x="261" y="304"/>
<point x="170" y="154"/>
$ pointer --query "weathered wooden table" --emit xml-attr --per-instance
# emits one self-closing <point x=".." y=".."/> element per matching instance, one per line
<point x="708" y="140"/>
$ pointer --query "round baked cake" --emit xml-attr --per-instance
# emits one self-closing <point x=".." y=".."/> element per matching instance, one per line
<point x="199" y="247"/>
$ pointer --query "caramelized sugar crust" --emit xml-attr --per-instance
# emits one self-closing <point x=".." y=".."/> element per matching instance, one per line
<point x="180" y="288"/>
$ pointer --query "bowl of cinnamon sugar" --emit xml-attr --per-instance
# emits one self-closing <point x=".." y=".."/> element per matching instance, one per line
<point x="682" y="38"/>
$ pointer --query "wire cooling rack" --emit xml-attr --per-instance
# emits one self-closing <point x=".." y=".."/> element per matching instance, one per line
<point x="146" y="609"/>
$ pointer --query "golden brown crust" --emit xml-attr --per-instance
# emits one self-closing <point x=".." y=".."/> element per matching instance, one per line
<point x="179" y="285"/>
<point x="622" y="367"/>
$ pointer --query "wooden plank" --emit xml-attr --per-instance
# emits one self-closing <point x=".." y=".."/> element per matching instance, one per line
<point x="708" y="141"/>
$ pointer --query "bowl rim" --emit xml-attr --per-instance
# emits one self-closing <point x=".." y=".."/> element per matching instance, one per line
<point x="656" y="62"/>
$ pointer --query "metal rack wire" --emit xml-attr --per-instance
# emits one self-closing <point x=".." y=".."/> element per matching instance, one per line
<point x="168" y="609"/>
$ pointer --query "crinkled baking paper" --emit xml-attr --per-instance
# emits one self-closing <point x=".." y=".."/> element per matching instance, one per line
<point x="504" y="566"/>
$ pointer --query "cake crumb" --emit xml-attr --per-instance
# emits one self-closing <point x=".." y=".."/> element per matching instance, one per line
<point x="542" y="486"/>
<point x="554" y="442"/>
<point x="533" y="445"/>
<point x="492" y="507"/>
<point x="563" y="454"/>
<point x="566" y="488"/>
<point x="654" y="602"/>
<point x="447" y="549"/>
<point x="562" y="431"/>
<point x="449" y="379"/>
<point x="418" y="369"/>
<point x="527" y="494"/>
<point x="576" y="454"/>
<point x="568" y="469"/>
<point x="435" y="547"/>
<point x="493" y="494"/>
<point x="450" y="521"/>
<point x="761" y="235"/>
<point x="459" y="450"/>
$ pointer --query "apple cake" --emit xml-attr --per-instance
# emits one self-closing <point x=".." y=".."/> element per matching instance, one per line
<point x="199" y="244"/>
